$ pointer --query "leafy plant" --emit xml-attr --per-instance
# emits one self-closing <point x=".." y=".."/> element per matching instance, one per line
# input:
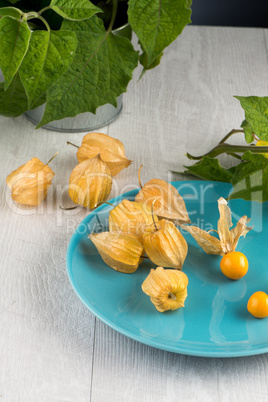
<point x="64" y="52"/>
<point x="250" y="176"/>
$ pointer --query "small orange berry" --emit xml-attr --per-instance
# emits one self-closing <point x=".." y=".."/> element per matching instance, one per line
<point x="234" y="265"/>
<point x="258" y="304"/>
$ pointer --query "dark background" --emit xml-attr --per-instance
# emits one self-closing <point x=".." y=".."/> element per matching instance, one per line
<point x="242" y="13"/>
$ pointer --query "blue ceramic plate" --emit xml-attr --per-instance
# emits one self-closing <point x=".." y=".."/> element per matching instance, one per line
<point x="215" y="321"/>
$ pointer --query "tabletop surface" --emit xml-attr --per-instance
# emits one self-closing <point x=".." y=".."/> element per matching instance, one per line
<point x="51" y="347"/>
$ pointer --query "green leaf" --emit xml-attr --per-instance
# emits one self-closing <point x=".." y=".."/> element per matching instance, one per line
<point x="210" y="169"/>
<point x="100" y="72"/>
<point x="11" y="11"/>
<point x="144" y="62"/>
<point x="250" y="180"/>
<point x="14" y="42"/>
<point x="249" y="133"/>
<point x="256" y="112"/>
<point x="74" y="10"/>
<point x="157" y="23"/>
<point x="14" y="102"/>
<point x="49" y="56"/>
<point x="155" y="63"/>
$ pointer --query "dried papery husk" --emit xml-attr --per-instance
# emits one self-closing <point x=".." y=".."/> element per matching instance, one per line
<point x="111" y="150"/>
<point x="166" y="246"/>
<point x="224" y="224"/>
<point x="121" y="251"/>
<point x="228" y="239"/>
<point x="167" y="288"/>
<point x="241" y="229"/>
<point x="90" y="182"/>
<point x="210" y="244"/>
<point x="168" y="202"/>
<point x="131" y="217"/>
<point x="30" y="182"/>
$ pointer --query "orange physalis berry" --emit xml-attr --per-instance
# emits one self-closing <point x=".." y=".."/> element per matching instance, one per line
<point x="234" y="265"/>
<point x="258" y="305"/>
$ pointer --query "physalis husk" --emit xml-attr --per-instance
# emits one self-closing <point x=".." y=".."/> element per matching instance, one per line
<point x="166" y="246"/>
<point x="111" y="150"/>
<point x="167" y="288"/>
<point x="90" y="182"/>
<point x="121" y="251"/>
<point x="30" y="182"/>
<point x="228" y="239"/>
<point x="131" y="217"/>
<point x="168" y="203"/>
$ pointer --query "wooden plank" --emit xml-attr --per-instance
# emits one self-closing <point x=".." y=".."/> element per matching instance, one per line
<point x="136" y="372"/>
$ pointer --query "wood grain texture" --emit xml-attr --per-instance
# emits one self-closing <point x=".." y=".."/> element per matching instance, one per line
<point x="51" y="347"/>
<point x="46" y="342"/>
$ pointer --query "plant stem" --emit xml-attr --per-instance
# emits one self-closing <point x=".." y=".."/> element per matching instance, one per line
<point x="51" y="159"/>
<point x="235" y="155"/>
<point x="32" y="15"/>
<point x="114" y="11"/>
<point x="229" y="149"/>
<point x="105" y="202"/>
<point x="139" y="176"/>
<point x="234" y="131"/>
<point x="255" y="137"/>
<point x="44" y="9"/>
<point x="70" y="143"/>
<point x="70" y="208"/>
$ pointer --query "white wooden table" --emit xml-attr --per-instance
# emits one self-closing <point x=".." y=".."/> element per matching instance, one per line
<point x="51" y="347"/>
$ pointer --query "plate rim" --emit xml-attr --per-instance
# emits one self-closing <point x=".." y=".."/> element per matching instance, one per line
<point x="152" y="343"/>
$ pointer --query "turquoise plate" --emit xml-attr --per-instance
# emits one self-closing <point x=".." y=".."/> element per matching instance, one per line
<point x="214" y="321"/>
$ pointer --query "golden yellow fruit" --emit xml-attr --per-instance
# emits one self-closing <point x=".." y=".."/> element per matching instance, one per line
<point x="90" y="182"/>
<point x="110" y="149"/>
<point x="121" y="251"/>
<point x="131" y="217"/>
<point x="30" y="182"/>
<point x="258" y="304"/>
<point x="167" y="288"/>
<point x="166" y="246"/>
<point x="167" y="201"/>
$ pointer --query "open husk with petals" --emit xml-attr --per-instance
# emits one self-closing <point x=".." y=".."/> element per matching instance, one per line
<point x="167" y="288"/>
<point x="166" y="246"/>
<point x="90" y="182"/>
<point x="131" y="217"/>
<point x="228" y="239"/>
<point x="111" y="150"/>
<point x="30" y="182"/>
<point x="121" y="251"/>
<point x="168" y="203"/>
